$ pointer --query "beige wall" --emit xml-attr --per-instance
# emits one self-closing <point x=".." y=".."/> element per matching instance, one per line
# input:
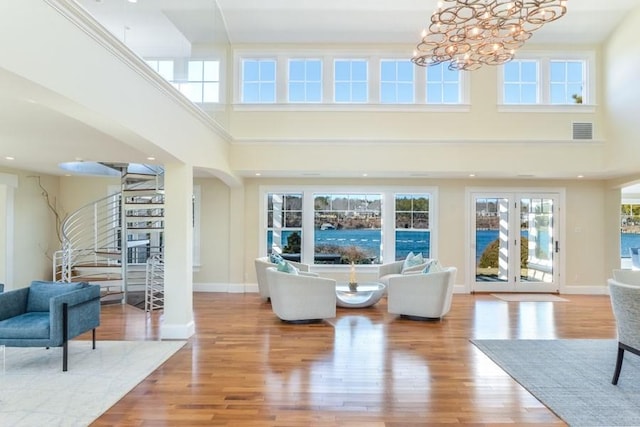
<point x="215" y="233"/>
<point x="34" y="236"/>
<point x="589" y="251"/>
<point x="622" y="67"/>
<point x="589" y="228"/>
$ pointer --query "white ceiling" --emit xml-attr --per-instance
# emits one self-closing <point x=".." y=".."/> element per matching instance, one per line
<point x="39" y="135"/>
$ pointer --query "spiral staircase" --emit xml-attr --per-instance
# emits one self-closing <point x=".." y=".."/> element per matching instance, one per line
<point x="117" y="242"/>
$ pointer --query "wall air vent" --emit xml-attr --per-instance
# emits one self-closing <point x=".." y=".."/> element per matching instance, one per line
<point x="582" y="130"/>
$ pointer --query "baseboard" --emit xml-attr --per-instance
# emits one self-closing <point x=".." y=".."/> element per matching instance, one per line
<point x="177" y="331"/>
<point x="241" y="288"/>
<point x="232" y="288"/>
<point x="584" y="290"/>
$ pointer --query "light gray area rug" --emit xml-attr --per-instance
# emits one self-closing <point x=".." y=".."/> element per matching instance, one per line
<point x="35" y="392"/>
<point x="530" y="297"/>
<point x="573" y="378"/>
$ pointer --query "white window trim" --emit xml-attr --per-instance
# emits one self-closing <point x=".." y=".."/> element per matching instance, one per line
<point x="322" y="82"/>
<point x="328" y="57"/>
<point x="544" y="58"/>
<point x="388" y="210"/>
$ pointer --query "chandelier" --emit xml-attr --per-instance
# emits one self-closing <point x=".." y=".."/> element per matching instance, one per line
<point x="471" y="33"/>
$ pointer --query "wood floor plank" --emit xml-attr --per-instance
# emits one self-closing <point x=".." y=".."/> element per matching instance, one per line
<point x="244" y="367"/>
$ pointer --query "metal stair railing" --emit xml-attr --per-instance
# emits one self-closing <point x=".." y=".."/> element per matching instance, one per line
<point x="154" y="284"/>
<point x="102" y="238"/>
<point x="90" y="237"/>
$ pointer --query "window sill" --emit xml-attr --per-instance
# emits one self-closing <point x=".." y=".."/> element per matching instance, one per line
<point x="547" y="108"/>
<point x="323" y="107"/>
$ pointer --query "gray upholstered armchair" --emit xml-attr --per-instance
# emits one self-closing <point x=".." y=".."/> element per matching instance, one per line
<point x="625" y="301"/>
<point x="49" y="314"/>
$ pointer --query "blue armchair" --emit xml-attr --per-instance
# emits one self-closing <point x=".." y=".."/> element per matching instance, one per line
<point x="49" y="314"/>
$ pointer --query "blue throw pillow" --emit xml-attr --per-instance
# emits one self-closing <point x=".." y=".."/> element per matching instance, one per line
<point x="286" y="267"/>
<point x="40" y="292"/>
<point x="412" y="260"/>
<point x="276" y="258"/>
<point x="433" y="267"/>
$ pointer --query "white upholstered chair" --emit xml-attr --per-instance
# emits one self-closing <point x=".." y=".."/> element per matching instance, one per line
<point x="297" y="297"/>
<point x="629" y="277"/>
<point x="625" y="301"/>
<point x="421" y="295"/>
<point x="261" y="265"/>
<point x="386" y="271"/>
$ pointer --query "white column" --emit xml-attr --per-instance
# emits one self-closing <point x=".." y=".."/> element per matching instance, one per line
<point x="177" y="321"/>
<point x="8" y="184"/>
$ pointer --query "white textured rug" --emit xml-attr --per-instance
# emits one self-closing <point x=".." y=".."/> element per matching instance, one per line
<point x="35" y="392"/>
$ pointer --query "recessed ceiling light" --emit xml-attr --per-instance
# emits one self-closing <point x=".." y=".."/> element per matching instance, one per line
<point x="10" y="158"/>
<point x="580" y="176"/>
<point x="472" y="175"/>
<point x="151" y="158"/>
<point x="365" y="174"/>
<point x="258" y="174"/>
<point x="133" y="1"/>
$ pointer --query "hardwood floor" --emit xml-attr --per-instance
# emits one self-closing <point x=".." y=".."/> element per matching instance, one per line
<point x="244" y="367"/>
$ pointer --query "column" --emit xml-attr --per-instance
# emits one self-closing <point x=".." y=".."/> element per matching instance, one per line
<point x="177" y="321"/>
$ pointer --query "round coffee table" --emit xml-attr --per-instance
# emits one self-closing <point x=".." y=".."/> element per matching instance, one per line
<point x="365" y="294"/>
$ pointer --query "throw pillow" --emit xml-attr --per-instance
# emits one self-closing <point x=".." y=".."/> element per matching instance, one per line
<point x="276" y="258"/>
<point x="412" y="260"/>
<point x="286" y="267"/>
<point x="433" y="267"/>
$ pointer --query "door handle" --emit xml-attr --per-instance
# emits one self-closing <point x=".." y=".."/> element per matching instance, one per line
<point x="557" y="247"/>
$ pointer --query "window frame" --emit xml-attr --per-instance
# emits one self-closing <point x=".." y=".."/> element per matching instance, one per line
<point x="544" y="58"/>
<point x="387" y="211"/>
<point x="351" y="80"/>
<point x="396" y="82"/>
<point x="442" y="84"/>
<point x="260" y="82"/>
<point x="305" y="82"/>
<point x="372" y="56"/>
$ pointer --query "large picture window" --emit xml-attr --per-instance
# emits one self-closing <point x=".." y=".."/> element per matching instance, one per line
<point x="347" y="228"/>
<point x="339" y="225"/>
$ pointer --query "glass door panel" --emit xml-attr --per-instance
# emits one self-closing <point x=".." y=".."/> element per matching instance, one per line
<point x="537" y="239"/>
<point x="492" y="239"/>
<point x="514" y="242"/>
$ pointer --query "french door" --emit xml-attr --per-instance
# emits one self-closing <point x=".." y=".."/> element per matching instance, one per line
<point x="514" y="241"/>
